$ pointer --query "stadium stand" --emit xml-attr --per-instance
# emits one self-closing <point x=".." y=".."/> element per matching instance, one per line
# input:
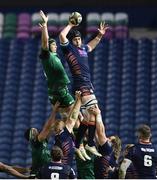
<point x="123" y="72"/>
<point x="1" y="24"/>
<point x="93" y="20"/>
<point x="53" y="26"/>
<point x="23" y="25"/>
<point x="109" y="19"/>
<point x="10" y="23"/>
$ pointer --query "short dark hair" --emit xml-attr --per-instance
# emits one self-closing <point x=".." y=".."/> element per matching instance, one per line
<point x="56" y="153"/>
<point x="51" y="40"/>
<point x="144" y="131"/>
<point x="26" y="134"/>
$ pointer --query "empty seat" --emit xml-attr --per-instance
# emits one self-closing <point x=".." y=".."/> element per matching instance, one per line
<point x="63" y="19"/>
<point x="35" y="30"/>
<point x="53" y="25"/>
<point x="23" y="25"/>
<point x="93" y="20"/>
<point x="121" y="25"/>
<point x="10" y="23"/>
<point x="1" y="24"/>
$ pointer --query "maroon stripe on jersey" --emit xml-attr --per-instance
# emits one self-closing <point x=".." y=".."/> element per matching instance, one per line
<point x="66" y="151"/>
<point x="66" y="148"/>
<point x="104" y="165"/>
<point x="72" y="60"/>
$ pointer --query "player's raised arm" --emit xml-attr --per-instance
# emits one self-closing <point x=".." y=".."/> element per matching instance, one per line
<point x="123" y="168"/>
<point x="44" y="30"/>
<point x="94" y="42"/>
<point x="74" y="113"/>
<point x="49" y="124"/>
<point x="71" y="23"/>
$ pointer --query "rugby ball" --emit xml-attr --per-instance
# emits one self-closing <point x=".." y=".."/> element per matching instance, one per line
<point x="75" y="18"/>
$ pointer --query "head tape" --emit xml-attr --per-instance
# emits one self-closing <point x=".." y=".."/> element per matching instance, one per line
<point x="51" y="40"/>
<point x="73" y="34"/>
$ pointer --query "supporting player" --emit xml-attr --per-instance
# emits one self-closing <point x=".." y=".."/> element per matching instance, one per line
<point x="143" y="155"/>
<point x="109" y="147"/>
<point x="63" y="132"/>
<point x="56" y="169"/>
<point x="39" y="142"/>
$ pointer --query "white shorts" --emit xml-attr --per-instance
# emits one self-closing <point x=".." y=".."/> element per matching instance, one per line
<point x="90" y="103"/>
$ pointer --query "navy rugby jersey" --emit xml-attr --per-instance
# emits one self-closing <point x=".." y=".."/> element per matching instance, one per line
<point x="101" y="163"/>
<point x="65" y="141"/>
<point x="55" y="170"/>
<point x="144" y="159"/>
<point x="77" y="59"/>
<point x="131" y="172"/>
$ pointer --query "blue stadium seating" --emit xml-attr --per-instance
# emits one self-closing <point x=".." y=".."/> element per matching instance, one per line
<point x="124" y="77"/>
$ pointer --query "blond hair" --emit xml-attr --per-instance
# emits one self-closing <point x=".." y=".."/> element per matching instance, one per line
<point x="116" y="145"/>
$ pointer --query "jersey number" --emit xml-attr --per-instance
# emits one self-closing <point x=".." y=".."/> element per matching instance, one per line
<point x="54" y="175"/>
<point x="147" y="160"/>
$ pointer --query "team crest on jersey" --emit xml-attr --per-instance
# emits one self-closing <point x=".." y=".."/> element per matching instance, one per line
<point x="82" y="52"/>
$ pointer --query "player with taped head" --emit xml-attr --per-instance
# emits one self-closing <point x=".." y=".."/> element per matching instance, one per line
<point x="38" y="141"/>
<point x="76" y="54"/>
<point x="55" y="74"/>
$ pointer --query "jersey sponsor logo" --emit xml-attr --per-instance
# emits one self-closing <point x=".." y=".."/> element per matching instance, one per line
<point x="82" y="52"/>
<point x="147" y="150"/>
<point x="56" y="167"/>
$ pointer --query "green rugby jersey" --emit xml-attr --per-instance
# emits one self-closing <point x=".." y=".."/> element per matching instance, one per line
<point x="54" y="71"/>
<point x="40" y="155"/>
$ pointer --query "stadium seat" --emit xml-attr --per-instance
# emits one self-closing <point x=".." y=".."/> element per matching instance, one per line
<point x="10" y="23"/>
<point x="92" y="20"/>
<point x="121" y="25"/>
<point x="23" y="25"/>
<point x="35" y="29"/>
<point x="53" y="25"/>
<point x="1" y="24"/>
<point x="63" y="19"/>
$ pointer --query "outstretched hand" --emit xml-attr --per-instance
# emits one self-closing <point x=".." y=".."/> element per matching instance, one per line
<point x="44" y="19"/>
<point x="102" y="28"/>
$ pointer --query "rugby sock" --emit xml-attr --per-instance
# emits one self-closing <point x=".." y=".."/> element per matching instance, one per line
<point x="80" y="134"/>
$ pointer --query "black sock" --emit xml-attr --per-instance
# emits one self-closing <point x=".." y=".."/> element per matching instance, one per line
<point x="91" y="134"/>
<point x="80" y="134"/>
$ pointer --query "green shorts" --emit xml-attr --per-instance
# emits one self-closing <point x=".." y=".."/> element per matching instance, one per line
<point x="62" y="95"/>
